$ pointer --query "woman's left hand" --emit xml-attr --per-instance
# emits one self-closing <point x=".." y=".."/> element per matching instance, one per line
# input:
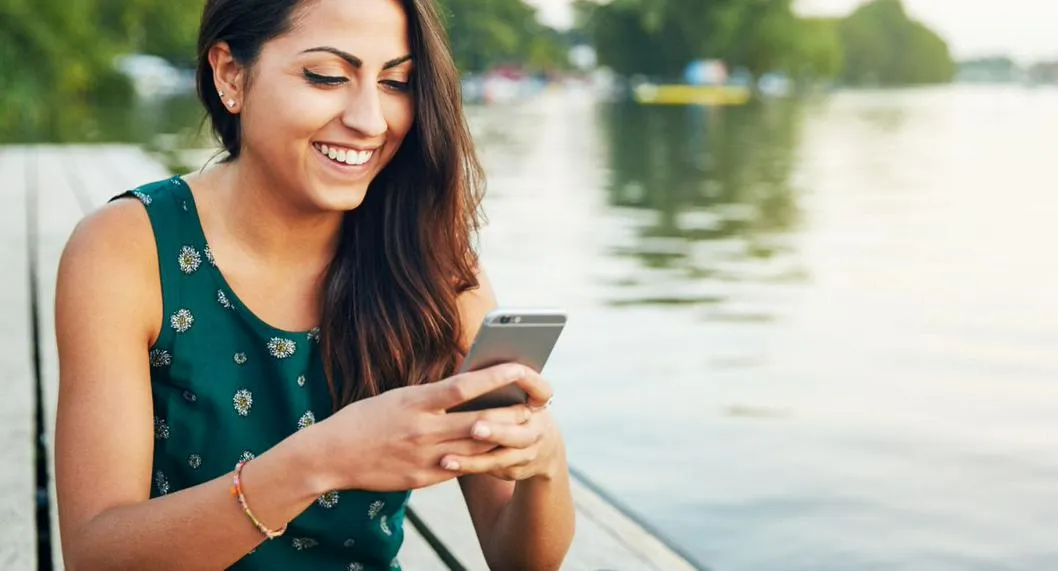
<point x="523" y="450"/>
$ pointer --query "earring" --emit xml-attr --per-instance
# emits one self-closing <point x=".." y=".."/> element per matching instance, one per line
<point x="231" y="103"/>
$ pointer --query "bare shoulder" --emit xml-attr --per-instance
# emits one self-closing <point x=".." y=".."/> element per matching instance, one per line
<point x="111" y="258"/>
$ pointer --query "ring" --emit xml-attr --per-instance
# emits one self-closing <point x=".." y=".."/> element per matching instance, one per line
<point x="545" y="406"/>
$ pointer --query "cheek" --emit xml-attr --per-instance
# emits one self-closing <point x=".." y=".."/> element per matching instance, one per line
<point x="280" y="115"/>
<point x="400" y="114"/>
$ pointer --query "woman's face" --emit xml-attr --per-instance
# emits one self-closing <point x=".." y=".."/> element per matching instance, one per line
<point x="329" y="103"/>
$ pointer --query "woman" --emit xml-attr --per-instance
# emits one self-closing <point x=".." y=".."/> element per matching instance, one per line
<point x="272" y="341"/>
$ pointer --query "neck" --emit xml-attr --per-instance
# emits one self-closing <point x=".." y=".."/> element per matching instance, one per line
<point x="269" y="222"/>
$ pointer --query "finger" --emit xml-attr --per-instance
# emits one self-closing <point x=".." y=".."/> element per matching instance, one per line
<point x="497" y="460"/>
<point x="467" y="447"/>
<point x="508" y="435"/>
<point x="459" y="424"/>
<point x="461" y="388"/>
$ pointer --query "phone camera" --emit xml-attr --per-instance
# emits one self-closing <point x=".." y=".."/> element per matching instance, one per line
<point x="505" y="319"/>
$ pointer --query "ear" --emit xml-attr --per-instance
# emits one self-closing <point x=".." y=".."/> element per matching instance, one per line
<point x="227" y="76"/>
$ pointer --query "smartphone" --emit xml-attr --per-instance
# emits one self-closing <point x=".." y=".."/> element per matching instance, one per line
<point x="525" y="336"/>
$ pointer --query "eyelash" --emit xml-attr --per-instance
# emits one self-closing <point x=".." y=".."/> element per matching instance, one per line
<point x="331" y="81"/>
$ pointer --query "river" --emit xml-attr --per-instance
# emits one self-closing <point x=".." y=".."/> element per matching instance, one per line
<point x="802" y="337"/>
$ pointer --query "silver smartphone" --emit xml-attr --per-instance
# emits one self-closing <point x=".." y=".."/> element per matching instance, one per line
<point x="525" y="336"/>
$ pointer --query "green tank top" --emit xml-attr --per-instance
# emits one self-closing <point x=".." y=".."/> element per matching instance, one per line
<point x="226" y="386"/>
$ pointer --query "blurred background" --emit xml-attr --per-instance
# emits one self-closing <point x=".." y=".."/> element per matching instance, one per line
<point x="806" y="247"/>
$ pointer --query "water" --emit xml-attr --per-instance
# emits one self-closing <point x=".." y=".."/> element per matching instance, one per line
<point x="803" y="337"/>
<point x="812" y="337"/>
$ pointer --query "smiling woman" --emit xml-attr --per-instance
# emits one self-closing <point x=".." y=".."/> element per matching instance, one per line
<point x="275" y="338"/>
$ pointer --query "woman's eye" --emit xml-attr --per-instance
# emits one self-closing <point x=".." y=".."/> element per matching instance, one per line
<point x="317" y="79"/>
<point x="401" y="86"/>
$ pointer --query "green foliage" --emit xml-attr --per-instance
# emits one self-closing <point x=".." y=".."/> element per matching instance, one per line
<point x="58" y="54"/>
<point x="487" y="33"/>
<point x="883" y="46"/>
<point x="55" y="57"/>
<point x="877" y="43"/>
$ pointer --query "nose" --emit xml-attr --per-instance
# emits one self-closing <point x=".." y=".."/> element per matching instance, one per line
<point x="363" y="112"/>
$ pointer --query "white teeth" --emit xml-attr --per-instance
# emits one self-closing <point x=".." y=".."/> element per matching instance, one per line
<point x="346" y="156"/>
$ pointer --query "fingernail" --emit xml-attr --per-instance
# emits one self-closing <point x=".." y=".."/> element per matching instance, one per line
<point x="481" y="431"/>
<point x="451" y="465"/>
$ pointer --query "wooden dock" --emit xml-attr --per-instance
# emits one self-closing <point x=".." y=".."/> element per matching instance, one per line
<point x="47" y="189"/>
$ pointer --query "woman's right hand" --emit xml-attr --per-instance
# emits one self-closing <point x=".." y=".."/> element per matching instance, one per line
<point x="395" y="441"/>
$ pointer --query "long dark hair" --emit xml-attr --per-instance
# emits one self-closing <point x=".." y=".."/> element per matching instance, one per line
<point x="390" y="316"/>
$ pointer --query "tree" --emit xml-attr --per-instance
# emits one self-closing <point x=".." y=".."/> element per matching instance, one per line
<point x="883" y="46"/>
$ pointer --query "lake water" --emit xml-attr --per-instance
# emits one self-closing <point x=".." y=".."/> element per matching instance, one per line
<point x="803" y="337"/>
<point x="821" y="337"/>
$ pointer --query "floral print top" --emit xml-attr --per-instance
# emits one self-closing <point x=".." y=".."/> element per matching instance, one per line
<point x="226" y="386"/>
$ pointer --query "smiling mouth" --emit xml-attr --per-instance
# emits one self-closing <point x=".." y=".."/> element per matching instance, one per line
<point x="345" y="156"/>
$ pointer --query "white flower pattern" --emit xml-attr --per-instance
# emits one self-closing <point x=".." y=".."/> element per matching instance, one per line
<point x="222" y="299"/>
<point x="303" y="543"/>
<point x="281" y="348"/>
<point x="209" y="256"/>
<point x="243" y="400"/>
<point x="329" y="499"/>
<point x="349" y="542"/>
<point x="189" y="259"/>
<point x="161" y="483"/>
<point x="160" y="358"/>
<point x="194" y="461"/>
<point x="375" y="508"/>
<point x="313" y="334"/>
<point x="301" y="380"/>
<point x="306" y="420"/>
<point x="161" y="429"/>
<point x="240" y="358"/>
<point x="354" y="566"/>
<point x="182" y="320"/>
<point x="246" y="456"/>
<point x="145" y="199"/>
<point x="383" y="524"/>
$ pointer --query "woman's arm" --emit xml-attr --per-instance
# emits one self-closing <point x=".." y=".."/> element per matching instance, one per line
<point x="528" y="524"/>
<point x="108" y="310"/>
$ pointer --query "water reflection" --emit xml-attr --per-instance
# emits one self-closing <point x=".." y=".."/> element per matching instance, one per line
<point x="711" y="192"/>
<point x="162" y="123"/>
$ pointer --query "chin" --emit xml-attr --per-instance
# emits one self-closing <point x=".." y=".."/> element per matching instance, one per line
<point x="344" y="199"/>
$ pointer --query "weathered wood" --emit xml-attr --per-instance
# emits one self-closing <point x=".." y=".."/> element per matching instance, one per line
<point x="605" y="539"/>
<point x="416" y="554"/>
<point x="18" y="531"/>
<point x="61" y="174"/>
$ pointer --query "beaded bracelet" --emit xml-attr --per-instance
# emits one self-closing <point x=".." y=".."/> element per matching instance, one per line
<point x="236" y="490"/>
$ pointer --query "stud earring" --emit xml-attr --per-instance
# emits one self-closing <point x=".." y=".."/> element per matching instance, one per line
<point x="231" y="103"/>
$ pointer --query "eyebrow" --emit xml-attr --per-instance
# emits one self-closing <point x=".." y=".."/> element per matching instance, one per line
<point x="355" y="61"/>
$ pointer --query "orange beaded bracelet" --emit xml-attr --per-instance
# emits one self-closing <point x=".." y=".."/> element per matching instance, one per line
<point x="236" y="490"/>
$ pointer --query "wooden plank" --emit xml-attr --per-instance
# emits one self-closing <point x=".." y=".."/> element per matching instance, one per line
<point x="416" y="554"/>
<point x="60" y="211"/>
<point x="606" y="538"/>
<point x="18" y="531"/>
<point x="601" y="522"/>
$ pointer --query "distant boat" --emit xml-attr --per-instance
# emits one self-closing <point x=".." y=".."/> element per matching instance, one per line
<point x="678" y="94"/>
